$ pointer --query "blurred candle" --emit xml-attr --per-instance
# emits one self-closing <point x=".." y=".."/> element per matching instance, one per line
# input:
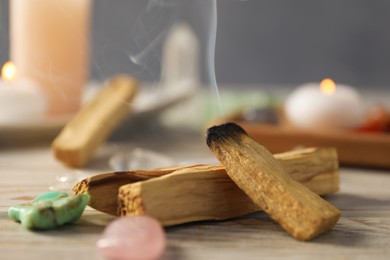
<point x="21" y="101"/>
<point x="324" y="106"/>
<point x="180" y="62"/>
<point x="49" y="44"/>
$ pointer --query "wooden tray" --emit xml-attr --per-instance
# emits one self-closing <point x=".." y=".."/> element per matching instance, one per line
<point x="355" y="149"/>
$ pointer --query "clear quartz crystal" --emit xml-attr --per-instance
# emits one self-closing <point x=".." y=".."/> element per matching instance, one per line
<point x="135" y="159"/>
<point x="65" y="181"/>
<point x="139" y="159"/>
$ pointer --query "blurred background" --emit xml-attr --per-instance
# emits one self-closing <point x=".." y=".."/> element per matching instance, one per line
<point x="273" y="42"/>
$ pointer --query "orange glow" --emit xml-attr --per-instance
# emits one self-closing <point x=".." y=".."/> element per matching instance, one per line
<point x="328" y="86"/>
<point x="8" y="72"/>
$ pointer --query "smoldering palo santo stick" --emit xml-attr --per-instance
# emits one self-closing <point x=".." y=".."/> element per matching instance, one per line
<point x="79" y="139"/>
<point x="302" y="213"/>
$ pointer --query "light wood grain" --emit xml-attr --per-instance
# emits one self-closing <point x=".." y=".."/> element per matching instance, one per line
<point x="362" y="233"/>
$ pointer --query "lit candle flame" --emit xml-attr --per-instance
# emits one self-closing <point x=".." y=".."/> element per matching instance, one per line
<point x="8" y="72"/>
<point x="328" y="86"/>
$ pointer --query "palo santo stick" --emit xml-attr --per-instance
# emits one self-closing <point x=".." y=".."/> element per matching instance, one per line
<point x="103" y="188"/>
<point x="82" y="135"/>
<point x="317" y="168"/>
<point x="302" y="213"/>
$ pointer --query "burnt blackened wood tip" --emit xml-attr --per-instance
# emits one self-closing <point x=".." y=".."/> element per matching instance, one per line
<point x="220" y="132"/>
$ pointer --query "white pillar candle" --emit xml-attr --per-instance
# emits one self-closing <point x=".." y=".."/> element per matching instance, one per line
<point x="324" y="106"/>
<point x="49" y="44"/>
<point x="21" y="101"/>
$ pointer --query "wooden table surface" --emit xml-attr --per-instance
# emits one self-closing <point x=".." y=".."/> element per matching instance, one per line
<point x="363" y="232"/>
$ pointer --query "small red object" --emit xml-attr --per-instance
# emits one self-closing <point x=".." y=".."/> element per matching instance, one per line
<point x="378" y="120"/>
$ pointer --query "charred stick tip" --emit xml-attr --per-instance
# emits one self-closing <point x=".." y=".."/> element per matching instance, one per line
<point x="223" y="131"/>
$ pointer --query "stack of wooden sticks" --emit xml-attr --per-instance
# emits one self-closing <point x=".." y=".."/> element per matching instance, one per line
<point x="286" y="186"/>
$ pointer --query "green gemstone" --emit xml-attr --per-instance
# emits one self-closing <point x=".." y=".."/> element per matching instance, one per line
<point x="49" y="210"/>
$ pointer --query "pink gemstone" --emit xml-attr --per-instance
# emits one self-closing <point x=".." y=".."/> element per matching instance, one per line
<point x="139" y="237"/>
